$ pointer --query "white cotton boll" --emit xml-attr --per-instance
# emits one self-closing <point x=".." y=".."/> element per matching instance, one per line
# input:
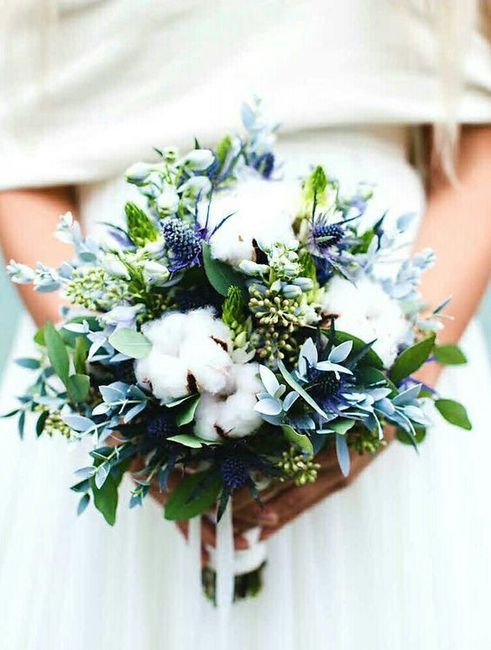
<point x="202" y="323"/>
<point x="231" y="414"/>
<point x="167" y="333"/>
<point x="206" y="417"/>
<point x="237" y="415"/>
<point x="261" y="209"/>
<point x="164" y="375"/>
<point x="208" y="362"/>
<point x="366" y="311"/>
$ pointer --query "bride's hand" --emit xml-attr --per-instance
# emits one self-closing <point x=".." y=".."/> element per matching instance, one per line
<point x="284" y="504"/>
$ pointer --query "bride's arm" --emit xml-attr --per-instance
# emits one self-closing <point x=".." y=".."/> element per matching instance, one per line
<point x="28" y="219"/>
<point x="457" y="226"/>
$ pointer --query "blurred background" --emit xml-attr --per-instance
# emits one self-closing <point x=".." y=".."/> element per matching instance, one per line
<point x="11" y="310"/>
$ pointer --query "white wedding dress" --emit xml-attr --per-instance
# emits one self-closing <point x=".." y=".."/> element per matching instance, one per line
<point x="400" y="560"/>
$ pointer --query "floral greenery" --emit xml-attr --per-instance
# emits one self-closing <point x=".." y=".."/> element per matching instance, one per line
<point x="232" y="369"/>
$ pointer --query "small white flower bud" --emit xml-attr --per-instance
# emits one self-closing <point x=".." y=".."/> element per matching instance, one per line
<point x="252" y="268"/>
<point x="138" y="172"/>
<point x="155" y="273"/>
<point x="114" y="267"/>
<point x="168" y="201"/>
<point x="198" y="159"/>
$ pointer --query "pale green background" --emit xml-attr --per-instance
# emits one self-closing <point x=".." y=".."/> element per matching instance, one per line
<point x="10" y="310"/>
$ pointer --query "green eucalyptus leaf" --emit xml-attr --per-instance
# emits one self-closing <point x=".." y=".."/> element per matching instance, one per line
<point x="187" y="440"/>
<point x="57" y="352"/>
<point x="106" y="498"/>
<point x="131" y="343"/>
<point x="454" y="413"/>
<point x="341" y="425"/>
<point x="194" y="495"/>
<point x="80" y="354"/>
<point x="449" y="355"/>
<point x="188" y="410"/>
<point x="298" y="439"/>
<point x="371" y="358"/>
<point x="40" y="423"/>
<point x="220" y="275"/>
<point x="78" y="387"/>
<point x="411" y="359"/>
<point x="408" y="439"/>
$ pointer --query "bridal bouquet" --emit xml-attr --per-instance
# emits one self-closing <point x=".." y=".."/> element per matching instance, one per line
<point x="236" y="324"/>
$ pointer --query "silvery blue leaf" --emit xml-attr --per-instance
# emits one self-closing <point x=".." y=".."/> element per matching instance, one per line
<point x="342" y="453"/>
<point x="404" y="221"/>
<point x="308" y="351"/>
<point x="133" y="412"/>
<point x="415" y="414"/>
<point x="385" y="406"/>
<point x="78" y="328"/>
<point x="78" y="422"/>
<point x="85" y="472"/>
<point x="268" y="406"/>
<point x="378" y="393"/>
<point x="269" y="379"/>
<point x="101" y="409"/>
<point x="407" y="396"/>
<point x="332" y="367"/>
<point x="112" y="394"/>
<point x="279" y="392"/>
<point x="248" y="116"/>
<point x="289" y="400"/>
<point x="65" y="271"/>
<point x="102" y="474"/>
<point x="136" y="392"/>
<point x="340" y="352"/>
<point x="304" y="422"/>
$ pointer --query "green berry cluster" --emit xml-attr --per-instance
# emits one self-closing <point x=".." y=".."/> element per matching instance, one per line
<point x="366" y="442"/>
<point x="55" y="425"/>
<point x="277" y="319"/>
<point x="92" y="288"/>
<point x="298" y="468"/>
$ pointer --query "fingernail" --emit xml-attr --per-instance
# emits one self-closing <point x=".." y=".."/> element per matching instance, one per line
<point x="268" y="517"/>
<point x="241" y="544"/>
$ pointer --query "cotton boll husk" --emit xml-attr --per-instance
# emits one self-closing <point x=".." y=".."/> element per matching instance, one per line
<point x="165" y="375"/>
<point x="208" y="362"/>
<point x="366" y="311"/>
<point x="261" y="209"/>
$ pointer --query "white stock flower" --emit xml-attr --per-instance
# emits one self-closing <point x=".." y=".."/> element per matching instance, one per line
<point x="366" y="311"/>
<point x="189" y="352"/>
<point x="261" y="210"/>
<point x="231" y="413"/>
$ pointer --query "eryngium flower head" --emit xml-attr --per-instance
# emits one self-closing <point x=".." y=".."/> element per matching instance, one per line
<point x="183" y="242"/>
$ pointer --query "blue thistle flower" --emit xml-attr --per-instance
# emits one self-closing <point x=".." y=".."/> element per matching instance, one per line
<point x="184" y="243"/>
<point x="329" y="244"/>
<point x="160" y="427"/>
<point x="234" y="471"/>
<point x="264" y="164"/>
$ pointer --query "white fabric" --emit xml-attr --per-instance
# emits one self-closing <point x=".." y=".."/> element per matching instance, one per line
<point x="119" y="77"/>
<point x="400" y="560"/>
